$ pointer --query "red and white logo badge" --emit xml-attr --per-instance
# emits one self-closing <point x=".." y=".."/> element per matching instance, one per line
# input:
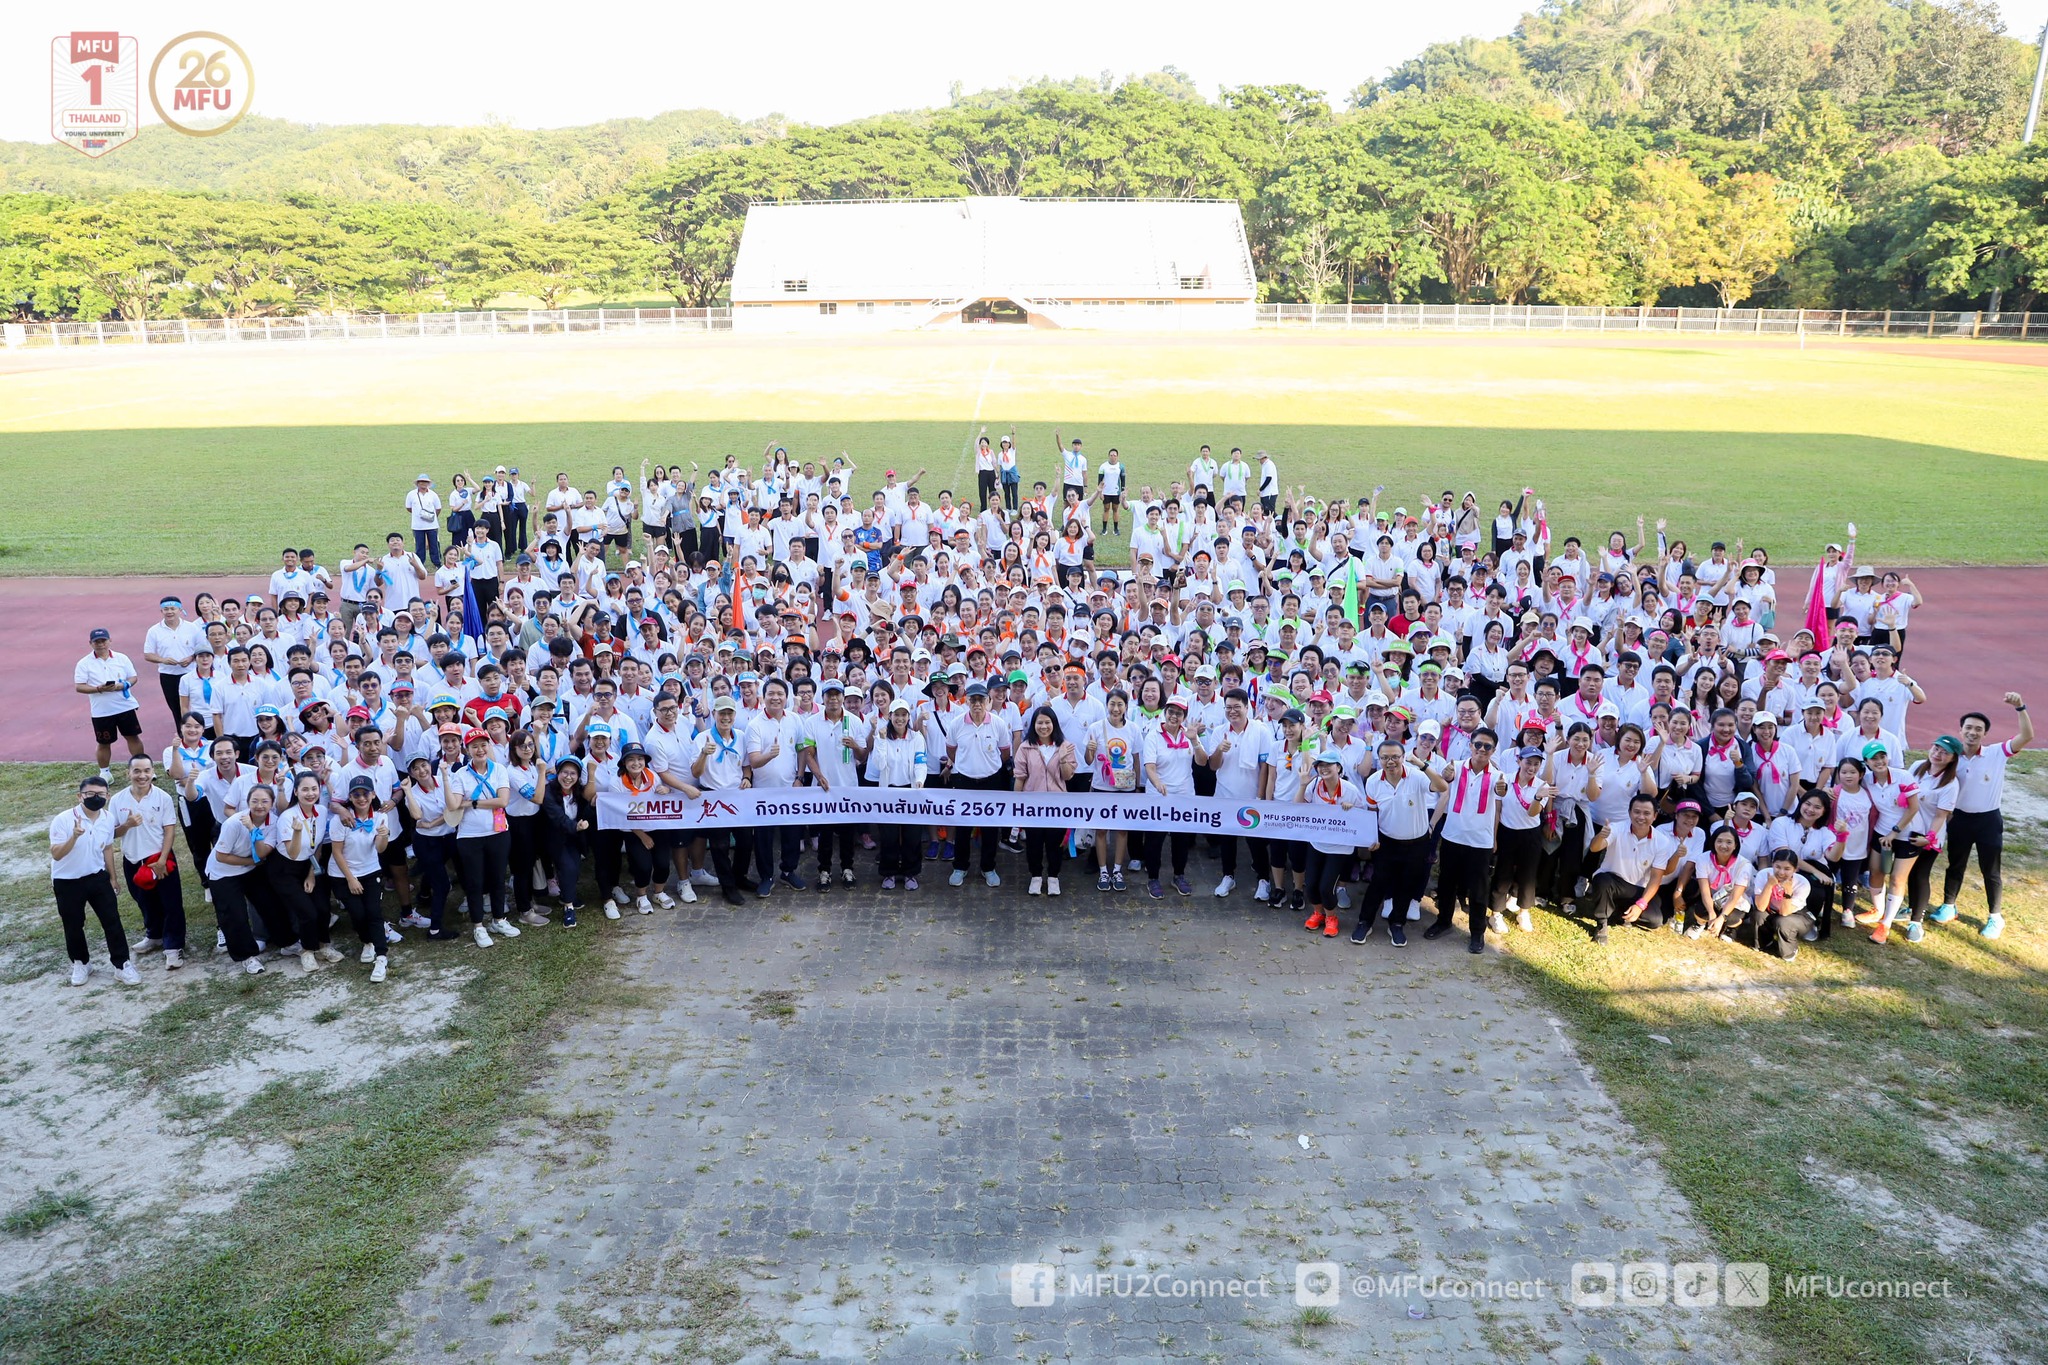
<point x="95" y="91"/>
<point x="201" y="84"/>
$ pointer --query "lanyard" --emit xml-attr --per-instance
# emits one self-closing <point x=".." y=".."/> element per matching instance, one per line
<point x="483" y="786"/>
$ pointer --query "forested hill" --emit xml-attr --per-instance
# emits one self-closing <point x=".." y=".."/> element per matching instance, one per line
<point x="490" y="167"/>
<point x="1806" y="153"/>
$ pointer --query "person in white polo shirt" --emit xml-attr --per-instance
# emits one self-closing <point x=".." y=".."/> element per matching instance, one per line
<point x="145" y="821"/>
<point x="1401" y="797"/>
<point x="81" y="840"/>
<point x="423" y="505"/>
<point x="107" y="678"/>
<point x="171" y="645"/>
<point x="1638" y="859"/>
<point x="1978" y="822"/>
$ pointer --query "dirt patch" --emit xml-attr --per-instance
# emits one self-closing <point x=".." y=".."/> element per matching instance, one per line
<point x="77" y="1122"/>
<point x="776" y="1006"/>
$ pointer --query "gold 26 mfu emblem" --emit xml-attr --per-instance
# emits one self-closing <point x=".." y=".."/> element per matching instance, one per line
<point x="201" y="84"/>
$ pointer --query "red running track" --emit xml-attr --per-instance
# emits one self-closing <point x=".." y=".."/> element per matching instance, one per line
<point x="1967" y="647"/>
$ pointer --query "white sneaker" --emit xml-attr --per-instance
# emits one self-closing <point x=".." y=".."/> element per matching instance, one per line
<point x="1514" y="905"/>
<point x="377" y="968"/>
<point x="79" y="972"/>
<point x="481" y="935"/>
<point x="1524" y="923"/>
<point x="307" y="962"/>
<point x="957" y="877"/>
<point x="1414" y="910"/>
<point x="1225" y="887"/>
<point x="392" y="935"/>
<point x="1343" y="898"/>
<point x="252" y="966"/>
<point x="148" y="946"/>
<point x="129" y="976"/>
<point x="174" y="958"/>
<point x="209" y="895"/>
<point x="689" y="893"/>
<point x="330" y="953"/>
<point x="664" y="900"/>
<point x="1052" y="886"/>
<point x="369" y="953"/>
<point x="703" y="876"/>
<point x="504" y="928"/>
<point x="220" y="941"/>
<point x="289" y="949"/>
<point x="1264" y="891"/>
<point x="1497" y="922"/>
<point x="1037" y="888"/>
<point x="644" y="906"/>
<point x="619" y="895"/>
<point x="611" y="911"/>
<point x="993" y="879"/>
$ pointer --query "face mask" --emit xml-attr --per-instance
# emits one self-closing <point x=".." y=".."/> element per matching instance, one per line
<point x="92" y="802"/>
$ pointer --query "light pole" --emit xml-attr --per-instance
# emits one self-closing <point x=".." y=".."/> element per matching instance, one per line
<point x="2034" y="105"/>
<point x="2027" y="138"/>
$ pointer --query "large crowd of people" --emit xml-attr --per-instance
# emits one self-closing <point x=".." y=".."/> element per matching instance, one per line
<point x="1629" y="731"/>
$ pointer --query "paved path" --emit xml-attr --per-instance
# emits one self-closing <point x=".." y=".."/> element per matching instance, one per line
<point x="47" y="620"/>
<point x="968" y="1080"/>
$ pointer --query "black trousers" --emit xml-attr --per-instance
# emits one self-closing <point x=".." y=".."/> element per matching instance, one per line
<point x="771" y="840"/>
<point x="365" y="909"/>
<point x="1262" y="862"/>
<point x="231" y="906"/>
<point x="1322" y="875"/>
<point x="297" y="914"/>
<point x="162" y="906"/>
<point x="985" y="484"/>
<point x="1156" y="847"/>
<point x="525" y="851"/>
<point x="1780" y="935"/>
<point x="902" y="853"/>
<point x="482" y="861"/>
<point x="1983" y="831"/>
<point x="1464" y="878"/>
<point x="1044" y="851"/>
<point x="73" y="895"/>
<point x="565" y="860"/>
<point x="726" y="853"/>
<point x="1514" y="866"/>
<point x="1609" y="897"/>
<point x="169" y="683"/>
<point x="434" y="852"/>
<point x="515" y="529"/>
<point x="846" y="838"/>
<point x="988" y="836"/>
<point x="1400" y="869"/>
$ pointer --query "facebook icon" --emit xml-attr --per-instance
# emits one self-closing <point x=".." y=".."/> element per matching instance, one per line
<point x="1031" y="1284"/>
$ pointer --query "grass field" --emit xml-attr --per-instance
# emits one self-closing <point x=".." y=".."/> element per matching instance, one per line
<point x="1939" y="458"/>
<point x="1865" y="1112"/>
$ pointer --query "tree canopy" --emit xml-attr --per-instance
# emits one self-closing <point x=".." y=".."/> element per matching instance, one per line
<point x="1808" y="153"/>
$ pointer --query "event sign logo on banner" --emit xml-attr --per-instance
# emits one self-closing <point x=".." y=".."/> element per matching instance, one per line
<point x="733" y="809"/>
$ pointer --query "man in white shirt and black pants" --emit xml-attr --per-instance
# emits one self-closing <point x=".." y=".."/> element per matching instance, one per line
<point x="1400" y="796"/>
<point x="81" y="840"/>
<point x="1470" y="810"/>
<point x="1978" y="821"/>
<point x="171" y="645"/>
<point x="108" y="680"/>
<point x="145" y="820"/>
<point x="1638" y="859"/>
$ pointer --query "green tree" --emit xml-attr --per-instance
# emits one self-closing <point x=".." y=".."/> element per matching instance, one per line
<point x="1749" y="234"/>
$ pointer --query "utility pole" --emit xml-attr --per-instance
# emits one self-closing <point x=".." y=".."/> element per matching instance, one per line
<point x="2033" y="121"/>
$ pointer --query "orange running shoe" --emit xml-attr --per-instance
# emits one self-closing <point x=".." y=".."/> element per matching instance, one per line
<point x="1315" y="921"/>
<point x="1880" y="933"/>
<point x="1329" y="926"/>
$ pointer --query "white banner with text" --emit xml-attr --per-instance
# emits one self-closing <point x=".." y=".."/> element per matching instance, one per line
<point x="968" y="808"/>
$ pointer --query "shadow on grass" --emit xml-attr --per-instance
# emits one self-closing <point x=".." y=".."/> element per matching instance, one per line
<point x="335" y="485"/>
<point x="1813" y="1113"/>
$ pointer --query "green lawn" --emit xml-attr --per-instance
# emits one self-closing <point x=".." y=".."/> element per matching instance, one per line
<point x="1938" y="459"/>
<point x="1913" y="1070"/>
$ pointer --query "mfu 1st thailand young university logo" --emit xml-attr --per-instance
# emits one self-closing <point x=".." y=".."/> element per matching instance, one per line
<point x="95" y="106"/>
<point x="201" y="84"/>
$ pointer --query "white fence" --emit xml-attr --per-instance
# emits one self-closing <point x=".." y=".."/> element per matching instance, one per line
<point x="1361" y="317"/>
<point x="1815" y="322"/>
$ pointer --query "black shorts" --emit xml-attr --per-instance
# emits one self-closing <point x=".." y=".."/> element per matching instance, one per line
<point x="624" y="540"/>
<point x="125" y="723"/>
<point x="1112" y="500"/>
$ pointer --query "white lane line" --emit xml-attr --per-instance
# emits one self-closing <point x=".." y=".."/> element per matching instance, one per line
<point x="974" y="426"/>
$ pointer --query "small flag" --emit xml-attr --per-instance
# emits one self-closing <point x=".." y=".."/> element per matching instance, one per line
<point x="1816" y="604"/>
<point x="739" y="598"/>
<point x="472" y="614"/>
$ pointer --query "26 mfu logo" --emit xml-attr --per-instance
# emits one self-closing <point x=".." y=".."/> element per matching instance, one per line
<point x="201" y="84"/>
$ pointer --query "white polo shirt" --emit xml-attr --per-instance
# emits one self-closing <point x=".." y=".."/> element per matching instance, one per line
<point x="157" y="810"/>
<point x="1980" y="779"/>
<point x="114" y="668"/>
<point x="1401" y="807"/>
<point x="89" y="854"/>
